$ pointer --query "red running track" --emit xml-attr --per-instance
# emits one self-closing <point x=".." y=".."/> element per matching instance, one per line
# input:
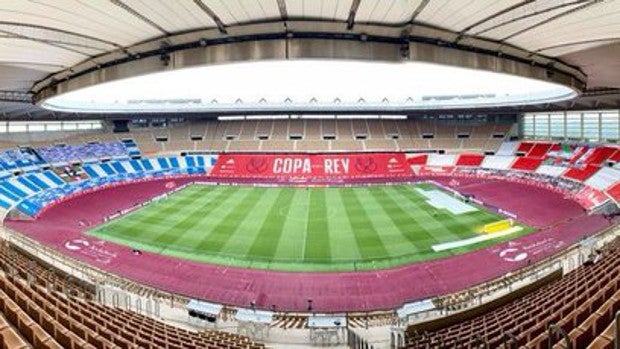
<point x="561" y="223"/>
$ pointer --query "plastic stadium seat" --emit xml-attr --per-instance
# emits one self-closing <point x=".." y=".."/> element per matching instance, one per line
<point x="526" y="163"/>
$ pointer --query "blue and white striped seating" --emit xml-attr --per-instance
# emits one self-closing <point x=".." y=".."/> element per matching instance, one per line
<point x="30" y="195"/>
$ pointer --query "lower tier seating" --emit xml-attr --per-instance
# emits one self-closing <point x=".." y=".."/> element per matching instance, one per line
<point x="33" y="315"/>
<point x="582" y="303"/>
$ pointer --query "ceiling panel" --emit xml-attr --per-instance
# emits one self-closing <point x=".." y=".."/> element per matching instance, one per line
<point x="519" y="13"/>
<point x="595" y="22"/>
<point x="173" y="16"/>
<point x="18" y="50"/>
<point x="101" y="19"/>
<point x="386" y="11"/>
<point x="592" y="59"/>
<point x="457" y="15"/>
<point x="502" y="29"/>
<point x="326" y="9"/>
<point x="240" y="11"/>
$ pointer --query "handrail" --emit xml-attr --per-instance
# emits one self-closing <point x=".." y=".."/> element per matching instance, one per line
<point x="617" y="330"/>
<point x="481" y="341"/>
<point x="510" y="340"/>
<point x="556" y="331"/>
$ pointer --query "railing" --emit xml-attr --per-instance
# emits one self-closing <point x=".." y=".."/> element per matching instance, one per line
<point x="82" y="270"/>
<point x="568" y="260"/>
<point x="617" y="330"/>
<point x="556" y="332"/>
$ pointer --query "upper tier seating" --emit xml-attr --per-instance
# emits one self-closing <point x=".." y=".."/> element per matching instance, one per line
<point x="87" y="152"/>
<point x="470" y="160"/>
<point x="12" y="159"/>
<point x="604" y="178"/>
<point x="308" y="135"/>
<point x="526" y="163"/>
<point x="598" y="155"/>
<point x="441" y="160"/>
<point x="498" y="162"/>
<point x="581" y="173"/>
<point x="582" y="303"/>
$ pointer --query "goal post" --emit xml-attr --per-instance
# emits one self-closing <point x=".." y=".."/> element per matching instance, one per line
<point x="498" y="226"/>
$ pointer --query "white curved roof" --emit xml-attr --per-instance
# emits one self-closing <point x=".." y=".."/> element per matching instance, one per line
<point x="39" y="37"/>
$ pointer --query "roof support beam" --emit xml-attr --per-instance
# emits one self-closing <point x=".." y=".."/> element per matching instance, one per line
<point x="60" y="31"/>
<point x="206" y="9"/>
<point x="552" y="18"/>
<point x="352" y="12"/>
<point x="528" y="15"/>
<point x="283" y="10"/>
<point x="418" y="10"/>
<point x="138" y="15"/>
<point x="580" y="42"/>
<point x="494" y="15"/>
<point x="46" y="42"/>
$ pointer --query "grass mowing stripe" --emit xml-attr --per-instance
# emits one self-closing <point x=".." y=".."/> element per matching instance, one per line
<point x="160" y="209"/>
<point x="401" y="220"/>
<point x="439" y="223"/>
<point x="317" y="232"/>
<point x="343" y="247"/>
<point x="368" y="242"/>
<point x="390" y="234"/>
<point x="244" y="236"/>
<point x="423" y="234"/>
<point x="217" y="238"/>
<point x="271" y="230"/>
<point x="290" y="247"/>
<point x="192" y="217"/>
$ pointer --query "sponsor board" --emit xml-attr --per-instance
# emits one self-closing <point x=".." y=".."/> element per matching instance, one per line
<point x="315" y="166"/>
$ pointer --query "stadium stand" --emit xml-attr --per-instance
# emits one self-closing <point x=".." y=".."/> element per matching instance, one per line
<point x="470" y="160"/>
<point x="497" y="162"/>
<point x="581" y="173"/>
<point x="604" y="178"/>
<point x="526" y="163"/>
<point x="582" y="303"/>
<point x="554" y="171"/>
<point x="54" y="314"/>
<point x="87" y="152"/>
<point x="440" y="160"/>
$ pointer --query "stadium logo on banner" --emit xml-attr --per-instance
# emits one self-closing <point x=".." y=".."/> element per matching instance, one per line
<point x="256" y="165"/>
<point x="366" y="164"/>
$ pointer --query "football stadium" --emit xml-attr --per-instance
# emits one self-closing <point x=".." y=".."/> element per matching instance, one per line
<point x="248" y="174"/>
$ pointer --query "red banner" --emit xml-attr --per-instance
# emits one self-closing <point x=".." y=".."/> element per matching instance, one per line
<point x="302" y="167"/>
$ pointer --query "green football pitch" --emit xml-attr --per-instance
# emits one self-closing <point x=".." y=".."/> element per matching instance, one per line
<point x="304" y="229"/>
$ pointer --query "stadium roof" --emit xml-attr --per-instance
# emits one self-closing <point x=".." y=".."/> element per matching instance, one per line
<point x="52" y="46"/>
